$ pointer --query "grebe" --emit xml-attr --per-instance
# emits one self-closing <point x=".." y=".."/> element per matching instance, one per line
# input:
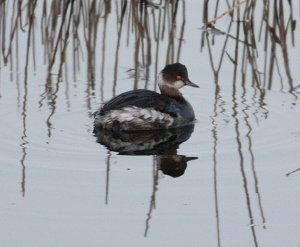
<point x="143" y="109"/>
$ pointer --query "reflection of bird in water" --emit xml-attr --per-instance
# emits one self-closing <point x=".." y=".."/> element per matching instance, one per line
<point x="173" y="165"/>
<point x="144" y="142"/>
<point x="147" y="110"/>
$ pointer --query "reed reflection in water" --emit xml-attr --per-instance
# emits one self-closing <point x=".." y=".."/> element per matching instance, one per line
<point x="97" y="49"/>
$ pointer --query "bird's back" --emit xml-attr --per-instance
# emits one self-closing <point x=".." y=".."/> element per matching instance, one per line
<point x="140" y="98"/>
<point x="143" y="109"/>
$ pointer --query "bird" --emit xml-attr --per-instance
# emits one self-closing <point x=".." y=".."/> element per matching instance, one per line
<point x="143" y="109"/>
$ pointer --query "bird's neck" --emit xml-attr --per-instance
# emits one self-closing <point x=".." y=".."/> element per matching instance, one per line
<point x="169" y="91"/>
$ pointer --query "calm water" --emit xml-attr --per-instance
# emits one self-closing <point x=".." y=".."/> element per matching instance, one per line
<point x="232" y="180"/>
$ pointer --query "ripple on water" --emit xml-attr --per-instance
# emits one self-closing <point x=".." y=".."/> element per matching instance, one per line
<point x="269" y="127"/>
<point x="68" y="144"/>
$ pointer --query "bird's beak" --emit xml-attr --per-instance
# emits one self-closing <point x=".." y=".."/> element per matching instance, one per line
<point x="187" y="82"/>
<point x="190" y="158"/>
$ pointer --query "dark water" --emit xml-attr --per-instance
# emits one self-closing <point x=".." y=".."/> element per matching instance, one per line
<point x="232" y="179"/>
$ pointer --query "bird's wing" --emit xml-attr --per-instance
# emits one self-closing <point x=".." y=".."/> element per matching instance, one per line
<point x="140" y="98"/>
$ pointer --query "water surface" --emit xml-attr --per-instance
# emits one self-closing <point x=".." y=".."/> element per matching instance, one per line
<point x="231" y="180"/>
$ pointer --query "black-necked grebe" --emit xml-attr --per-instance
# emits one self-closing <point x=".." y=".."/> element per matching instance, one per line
<point x="144" y="109"/>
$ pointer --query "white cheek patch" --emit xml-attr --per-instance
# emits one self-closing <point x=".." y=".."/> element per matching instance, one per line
<point x="163" y="83"/>
<point x="178" y="84"/>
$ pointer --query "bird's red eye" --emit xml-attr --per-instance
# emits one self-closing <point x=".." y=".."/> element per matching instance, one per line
<point x="178" y="77"/>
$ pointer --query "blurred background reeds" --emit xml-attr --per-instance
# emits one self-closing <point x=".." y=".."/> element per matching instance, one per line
<point x="71" y="33"/>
